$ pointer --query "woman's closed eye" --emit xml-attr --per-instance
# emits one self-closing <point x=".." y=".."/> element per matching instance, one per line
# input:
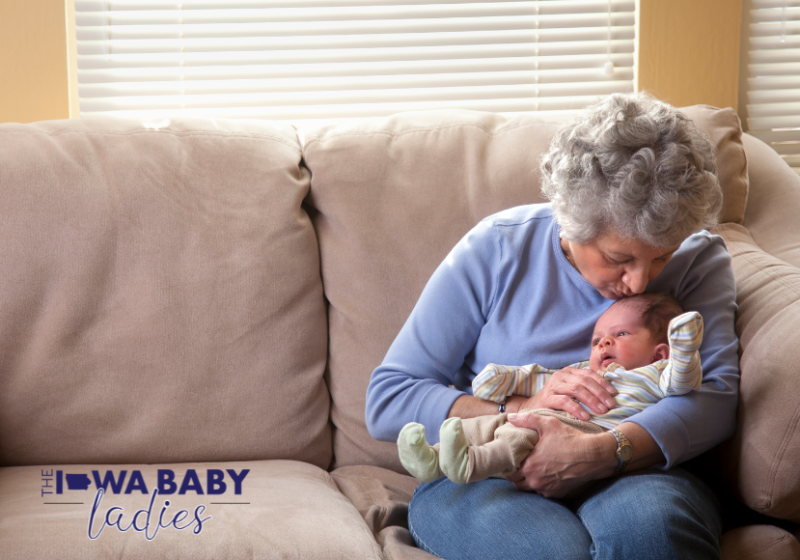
<point x="615" y="262"/>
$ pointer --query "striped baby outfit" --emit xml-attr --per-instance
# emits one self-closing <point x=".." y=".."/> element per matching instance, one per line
<point x="638" y="388"/>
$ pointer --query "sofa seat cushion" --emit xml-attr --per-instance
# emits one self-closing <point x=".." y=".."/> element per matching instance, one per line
<point x="285" y="509"/>
<point x="162" y="299"/>
<point x="759" y="542"/>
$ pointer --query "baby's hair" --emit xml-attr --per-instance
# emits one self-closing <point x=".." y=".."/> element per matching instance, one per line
<point x="657" y="310"/>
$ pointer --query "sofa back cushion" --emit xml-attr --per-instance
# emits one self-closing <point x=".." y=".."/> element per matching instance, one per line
<point x="392" y="196"/>
<point x="161" y="298"/>
<point x="774" y="203"/>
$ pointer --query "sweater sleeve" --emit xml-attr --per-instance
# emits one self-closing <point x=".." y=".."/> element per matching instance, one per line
<point x="419" y="378"/>
<point x="686" y="425"/>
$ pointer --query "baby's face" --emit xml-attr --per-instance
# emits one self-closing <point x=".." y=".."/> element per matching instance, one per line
<point x="620" y="336"/>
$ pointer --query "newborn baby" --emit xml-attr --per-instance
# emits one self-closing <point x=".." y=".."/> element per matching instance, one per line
<point x="645" y="345"/>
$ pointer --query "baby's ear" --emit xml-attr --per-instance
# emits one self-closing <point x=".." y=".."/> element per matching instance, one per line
<point x="661" y="352"/>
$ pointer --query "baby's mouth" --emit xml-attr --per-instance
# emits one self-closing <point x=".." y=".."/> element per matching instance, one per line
<point x="606" y="359"/>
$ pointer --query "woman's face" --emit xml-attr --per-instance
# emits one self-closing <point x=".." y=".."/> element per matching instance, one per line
<point x="617" y="266"/>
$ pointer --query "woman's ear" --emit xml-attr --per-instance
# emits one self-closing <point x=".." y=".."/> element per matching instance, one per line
<point x="661" y="352"/>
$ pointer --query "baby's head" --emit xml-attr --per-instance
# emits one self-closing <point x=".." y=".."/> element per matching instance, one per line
<point x="633" y="331"/>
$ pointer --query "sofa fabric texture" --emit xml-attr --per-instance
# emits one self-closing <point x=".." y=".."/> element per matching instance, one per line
<point x="205" y="295"/>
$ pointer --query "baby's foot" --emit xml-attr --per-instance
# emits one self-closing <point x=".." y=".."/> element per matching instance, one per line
<point x="453" y="451"/>
<point x="418" y="458"/>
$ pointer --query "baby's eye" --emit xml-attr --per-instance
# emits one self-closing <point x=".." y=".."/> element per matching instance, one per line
<point x="595" y="342"/>
<point x="622" y="333"/>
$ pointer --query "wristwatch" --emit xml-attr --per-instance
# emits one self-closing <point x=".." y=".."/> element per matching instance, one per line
<point x="624" y="450"/>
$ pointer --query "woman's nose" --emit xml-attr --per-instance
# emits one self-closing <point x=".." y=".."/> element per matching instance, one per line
<point x="636" y="280"/>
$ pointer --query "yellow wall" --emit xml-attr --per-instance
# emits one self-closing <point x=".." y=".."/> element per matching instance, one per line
<point x="38" y="77"/>
<point x="688" y="51"/>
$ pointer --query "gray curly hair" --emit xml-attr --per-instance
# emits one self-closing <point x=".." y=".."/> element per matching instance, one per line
<point x="632" y="165"/>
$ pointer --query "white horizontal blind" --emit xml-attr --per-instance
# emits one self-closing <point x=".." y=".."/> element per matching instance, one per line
<point x="327" y="59"/>
<point x="773" y="70"/>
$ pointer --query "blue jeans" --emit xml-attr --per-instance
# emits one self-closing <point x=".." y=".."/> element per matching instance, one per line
<point x="644" y="515"/>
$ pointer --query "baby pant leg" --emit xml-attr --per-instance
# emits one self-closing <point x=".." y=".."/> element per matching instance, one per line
<point x="496" y="447"/>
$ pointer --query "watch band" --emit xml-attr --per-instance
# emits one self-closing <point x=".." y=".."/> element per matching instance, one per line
<point x="624" y="450"/>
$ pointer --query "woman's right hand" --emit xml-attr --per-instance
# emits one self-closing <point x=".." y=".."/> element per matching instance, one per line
<point x="565" y="389"/>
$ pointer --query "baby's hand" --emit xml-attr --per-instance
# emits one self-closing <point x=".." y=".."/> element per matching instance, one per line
<point x="568" y="387"/>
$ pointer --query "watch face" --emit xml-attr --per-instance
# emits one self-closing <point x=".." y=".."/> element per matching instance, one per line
<point x="626" y="452"/>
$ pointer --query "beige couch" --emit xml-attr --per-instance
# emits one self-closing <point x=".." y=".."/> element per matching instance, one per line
<point x="196" y="302"/>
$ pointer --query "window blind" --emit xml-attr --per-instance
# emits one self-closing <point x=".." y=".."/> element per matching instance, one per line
<point x="328" y="59"/>
<point x="773" y="76"/>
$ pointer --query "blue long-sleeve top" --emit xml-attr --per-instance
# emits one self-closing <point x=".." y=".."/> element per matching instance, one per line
<point x="507" y="294"/>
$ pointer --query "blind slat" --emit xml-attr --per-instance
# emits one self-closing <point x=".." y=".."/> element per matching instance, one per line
<point x="775" y="136"/>
<point x="349" y="70"/>
<point x="227" y="87"/>
<point x="463" y="27"/>
<point x="422" y="13"/>
<point x="251" y="58"/>
<point x="544" y="6"/>
<point x="774" y="109"/>
<point x="773" y="96"/>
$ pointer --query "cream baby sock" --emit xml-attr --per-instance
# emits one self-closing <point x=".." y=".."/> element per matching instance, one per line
<point x="453" y="451"/>
<point x="418" y="458"/>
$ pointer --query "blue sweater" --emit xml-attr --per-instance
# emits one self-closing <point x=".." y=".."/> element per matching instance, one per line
<point x="506" y="294"/>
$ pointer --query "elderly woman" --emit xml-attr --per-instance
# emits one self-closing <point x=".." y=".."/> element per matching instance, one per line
<point x="631" y="185"/>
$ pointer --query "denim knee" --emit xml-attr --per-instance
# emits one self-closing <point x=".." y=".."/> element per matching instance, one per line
<point x="491" y="519"/>
<point x="652" y="514"/>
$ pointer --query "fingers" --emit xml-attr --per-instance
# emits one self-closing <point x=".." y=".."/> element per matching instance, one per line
<point x="520" y="481"/>
<point x="600" y="386"/>
<point x="528" y="420"/>
<point x="582" y="385"/>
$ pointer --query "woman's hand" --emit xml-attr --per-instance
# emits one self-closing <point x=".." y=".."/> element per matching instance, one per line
<point x="565" y="389"/>
<point x="565" y="459"/>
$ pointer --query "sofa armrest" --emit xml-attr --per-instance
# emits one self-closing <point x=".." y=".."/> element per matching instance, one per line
<point x="760" y="461"/>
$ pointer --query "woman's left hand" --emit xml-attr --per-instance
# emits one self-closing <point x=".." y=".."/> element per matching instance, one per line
<point x="565" y="459"/>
